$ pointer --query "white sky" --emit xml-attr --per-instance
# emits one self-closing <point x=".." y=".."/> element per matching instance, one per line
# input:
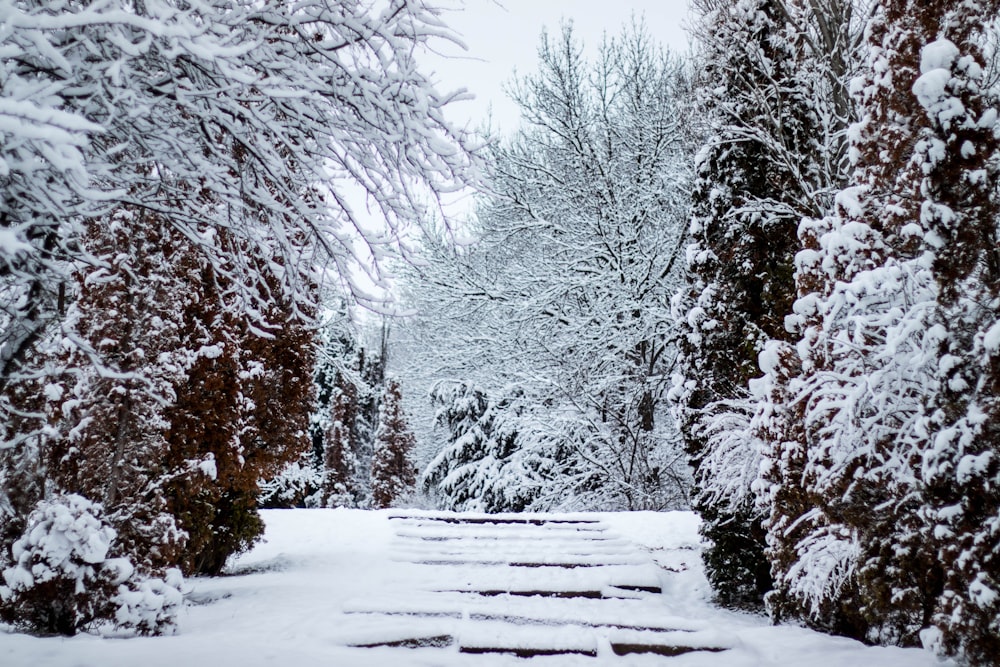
<point x="503" y="35"/>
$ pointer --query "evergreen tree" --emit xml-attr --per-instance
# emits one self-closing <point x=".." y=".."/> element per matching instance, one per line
<point x="68" y="575"/>
<point x="771" y="91"/>
<point x="112" y="446"/>
<point x="484" y="466"/>
<point x="242" y="412"/>
<point x="838" y="483"/>
<point x="867" y="490"/>
<point x="957" y="152"/>
<point x="340" y="465"/>
<point x="392" y="472"/>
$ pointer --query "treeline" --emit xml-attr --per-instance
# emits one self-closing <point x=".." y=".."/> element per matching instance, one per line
<point x="362" y="446"/>
<point x="845" y="246"/>
<point x="179" y="183"/>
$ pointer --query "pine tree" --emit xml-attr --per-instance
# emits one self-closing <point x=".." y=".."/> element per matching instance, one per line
<point x="340" y="465"/>
<point x="392" y="471"/>
<point x="464" y="474"/>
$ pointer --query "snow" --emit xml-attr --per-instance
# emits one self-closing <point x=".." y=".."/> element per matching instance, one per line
<point x="208" y="468"/>
<point x="323" y="580"/>
<point x="10" y="243"/>
<point x="991" y="340"/>
<point x="940" y="54"/>
<point x="210" y="351"/>
<point x="932" y="87"/>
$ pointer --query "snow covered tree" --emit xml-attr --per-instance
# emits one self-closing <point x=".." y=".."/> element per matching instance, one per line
<point x="959" y="161"/>
<point x="349" y="380"/>
<point x="393" y="474"/>
<point x="257" y="124"/>
<point x="873" y="544"/>
<point x="480" y="468"/>
<point x="221" y="144"/>
<point x="340" y="465"/>
<point x="461" y="408"/>
<point x="109" y="443"/>
<point x="772" y="89"/>
<point x="118" y="434"/>
<point x="564" y="292"/>
<point x="241" y="413"/>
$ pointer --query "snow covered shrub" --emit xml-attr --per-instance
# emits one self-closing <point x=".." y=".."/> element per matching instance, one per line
<point x="148" y="606"/>
<point x="298" y="484"/>
<point x="64" y="579"/>
<point x="61" y="580"/>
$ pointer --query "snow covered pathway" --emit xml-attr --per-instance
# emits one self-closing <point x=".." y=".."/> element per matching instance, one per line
<point x="526" y="587"/>
<point x="348" y="588"/>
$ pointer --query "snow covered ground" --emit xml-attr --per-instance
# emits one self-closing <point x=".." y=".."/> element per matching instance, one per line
<point x="434" y="589"/>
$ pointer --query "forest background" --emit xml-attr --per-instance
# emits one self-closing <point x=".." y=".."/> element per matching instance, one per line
<point x="761" y="279"/>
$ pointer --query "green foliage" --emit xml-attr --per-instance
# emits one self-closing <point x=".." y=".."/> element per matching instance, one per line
<point x="392" y="473"/>
<point x="735" y="563"/>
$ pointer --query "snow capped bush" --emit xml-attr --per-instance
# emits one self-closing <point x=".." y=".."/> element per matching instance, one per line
<point x="148" y="606"/>
<point x="58" y="582"/>
<point x="298" y="484"/>
<point x="63" y="580"/>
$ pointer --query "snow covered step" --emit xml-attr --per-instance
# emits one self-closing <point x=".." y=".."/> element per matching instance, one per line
<point x="525" y="641"/>
<point x="512" y="525"/>
<point x="536" y="617"/>
<point x="498" y="532"/>
<point x="478" y="518"/>
<point x="481" y="524"/>
<point x="531" y="640"/>
<point x="604" y="592"/>
<point x="526" y="586"/>
<point x="512" y="551"/>
<point x="594" y="619"/>
<point x="543" y="560"/>
<point x="499" y="543"/>
<point x="551" y="579"/>
<point x="488" y="635"/>
<point x="640" y="611"/>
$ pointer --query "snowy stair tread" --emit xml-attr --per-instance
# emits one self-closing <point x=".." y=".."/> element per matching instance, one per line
<point x="499" y="635"/>
<point x="524" y="585"/>
<point x="516" y="519"/>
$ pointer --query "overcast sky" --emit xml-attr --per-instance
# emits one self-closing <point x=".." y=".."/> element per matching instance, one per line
<point x="502" y="35"/>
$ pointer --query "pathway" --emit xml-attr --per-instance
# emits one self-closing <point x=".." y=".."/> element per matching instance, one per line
<point x="525" y="586"/>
